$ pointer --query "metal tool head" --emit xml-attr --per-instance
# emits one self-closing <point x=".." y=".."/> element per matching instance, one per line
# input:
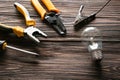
<point x="82" y="20"/>
<point x="53" y="19"/>
<point x="79" y="15"/>
<point x="30" y="31"/>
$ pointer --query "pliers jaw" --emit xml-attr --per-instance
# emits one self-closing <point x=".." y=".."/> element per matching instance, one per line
<point x="54" y="20"/>
<point x="30" y="31"/>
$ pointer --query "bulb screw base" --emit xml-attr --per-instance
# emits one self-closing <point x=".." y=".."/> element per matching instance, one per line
<point x="97" y="55"/>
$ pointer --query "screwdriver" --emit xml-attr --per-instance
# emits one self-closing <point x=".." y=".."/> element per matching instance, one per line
<point x="3" y="46"/>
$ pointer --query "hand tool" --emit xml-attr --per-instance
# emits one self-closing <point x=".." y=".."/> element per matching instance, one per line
<point x="20" y="32"/>
<point x="31" y="31"/>
<point x="3" y="45"/>
<point x="51" y="17"/>
<point x="83" y="20"/>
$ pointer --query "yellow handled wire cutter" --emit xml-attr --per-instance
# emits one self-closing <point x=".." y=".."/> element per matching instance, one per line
<point x="51" y="17"/>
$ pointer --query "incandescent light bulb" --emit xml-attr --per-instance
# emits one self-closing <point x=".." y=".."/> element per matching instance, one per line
<point x="92" y="38"/>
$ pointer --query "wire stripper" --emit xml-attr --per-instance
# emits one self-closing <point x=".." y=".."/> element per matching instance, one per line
<point x="51" y="17"/>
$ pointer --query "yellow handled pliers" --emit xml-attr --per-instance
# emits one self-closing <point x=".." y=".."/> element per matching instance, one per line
<point x="52" y="16"/>
<point x="31" y="30"/>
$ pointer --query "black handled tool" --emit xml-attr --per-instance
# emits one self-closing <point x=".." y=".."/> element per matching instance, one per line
<point x="83" y="20"/>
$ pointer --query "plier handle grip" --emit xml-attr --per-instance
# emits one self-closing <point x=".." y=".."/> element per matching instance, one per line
<point x="41" y="10"/>
<point x="24" y="11"/>
<point x="52" y="16"/>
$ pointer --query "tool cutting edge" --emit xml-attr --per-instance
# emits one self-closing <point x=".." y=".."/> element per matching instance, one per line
<point x="51" y="17"/>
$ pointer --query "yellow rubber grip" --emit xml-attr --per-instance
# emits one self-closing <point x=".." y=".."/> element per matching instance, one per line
<point x="24" y="11"/>
<point x="50" y="6"/>
<point x="19" y="31"/>
<point x="4" y="45"/>
<point x="39" y="8"/>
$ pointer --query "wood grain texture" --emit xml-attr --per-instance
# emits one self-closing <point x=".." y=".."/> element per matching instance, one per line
<point x="62" y="58"/>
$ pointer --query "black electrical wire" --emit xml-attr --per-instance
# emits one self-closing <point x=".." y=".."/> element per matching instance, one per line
<point x="103" y="7"/>
<point x="85" y="20"/>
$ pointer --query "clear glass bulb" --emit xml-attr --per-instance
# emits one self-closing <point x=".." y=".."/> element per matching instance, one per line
<point x="92" y="38"/>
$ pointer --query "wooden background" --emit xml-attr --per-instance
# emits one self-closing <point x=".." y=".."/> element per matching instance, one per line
<point x="62" y="58"/>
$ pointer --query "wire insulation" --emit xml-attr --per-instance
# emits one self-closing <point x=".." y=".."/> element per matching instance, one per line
<point x="103" y="7"/>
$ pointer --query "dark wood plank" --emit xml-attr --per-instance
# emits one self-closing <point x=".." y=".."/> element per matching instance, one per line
<point x="62" y="58"/>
